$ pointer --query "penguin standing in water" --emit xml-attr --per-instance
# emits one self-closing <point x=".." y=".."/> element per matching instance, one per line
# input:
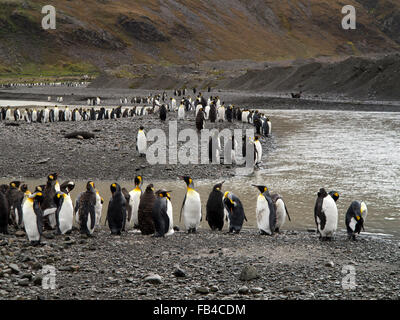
<point x="235" y="210"/>
<point x="163" y="112"/>
<point x="145" y="218"/>
<point x="265" y="212"/>
<point x="116" y="212"/>
<point x="160" y="214"/>
<point x="141" y="142"/>
<point x="215" y="208"/>
<point x="191" y="207"/>
<point x="281" y="211"/>
<point x="64" y="213"/>
<point x="86" y="209"/>
<point x="4" y="213"/>
<point x="355" y="218"/>
<point x="258" y="147"/>
<point x="33" y="217"/>
<point x="134" y="201"/>
<point x="325" y="215"/>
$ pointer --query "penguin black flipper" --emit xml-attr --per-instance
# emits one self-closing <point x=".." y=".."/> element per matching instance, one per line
<point x="39" y="217"/>
<point x="318" y="213"/>
<point x="183" y="204"/>
<point x="19" y="211"/>
<point x="58" y="215"/>
<point x="272" y="213"/>
<point x="92" y="213"/>
<point x="287" y="213"/>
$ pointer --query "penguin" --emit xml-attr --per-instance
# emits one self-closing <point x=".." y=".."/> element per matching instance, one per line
<point x="229" y="114"/>
<point x="33" y="217"/>
<point x="141" y="142"/>
<point x="281" y="211"/>
<point x="4" y="213"/>
<point x="221" y="113"/>
<point x="355" y="218"/>
<point x="213" y="113"/>
<point x="48" y="206"/>
<point x="181" y="112"/>
<point x="235" y="210"/>
<point x="86" y="209"/>
<point x="98" y="207"/>
<point x="215" y="208"/>
<point x="163" y="112"/>
<point x="325" y="215"/>
<point x="134" y="201"/>
<point x="170" y="214"/>
<point x="64" y="213"/>
<point x="145" y="218"/>
<point x="191" y="207"/>
<point x="258" y="147"/>
<point x="127" y="205"/>
<point x="200" y="120"/>
<point x="334" y="195"/>
<point x="265" y="211"/>
<point x="14" y="198"/>
<point x="116" y="212"/>
<point x="160" y="214"/>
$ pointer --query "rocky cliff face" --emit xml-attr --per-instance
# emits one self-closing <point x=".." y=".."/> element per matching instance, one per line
<point x="107" y="34"/>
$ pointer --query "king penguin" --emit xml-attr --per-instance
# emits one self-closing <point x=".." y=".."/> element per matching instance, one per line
<point x="86" y="209"/>
<point x="181" y="112"/>
<point x="116" y="212"/>
<point x="281" y="211"/>
<point x="141" y="142"/>
<point x="170" y="214"/>
<point x="355" y="218"/>
<point x="265" y="212"/>
<point x="64" y="213"/>
<point x="191" y="207"/>
<point x="160" y="214"/>
<point x="33" y="217"/>
<point x="145" y="218"/>
<point x="134" y="201"/>
<point x="235" y="212"/>
<point x="258" y="147"/>
<point x="215" y="208"/>
<point x="325" y="215"/>
<point x="4" y="213"/>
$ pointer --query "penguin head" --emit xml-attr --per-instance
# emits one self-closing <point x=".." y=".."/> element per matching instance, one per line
<point x="52" y="177"/>
<point x="115" y="187"/>
<point x="141" y="128"/>
<point x="24" y="188"/>
<point x="69" y="186"/>
<point x="189" y="181"/>
<point x="163" y="193"/>
<point x="334" y="195"/>
<point x="262" y="189"/>
<point x="322" y="193"/>
<point x="59" y="197"/>
<point x="150" y="188"/>
<point x="218" y="186"/>
<point x="38" y="197"/>
<point x="363" y="209"/>
<point x="15" y="184"/>
<point x="39" y="189"/>
<point x="256" y="138"/>
<point x="138" y="181"/>
<point x="228" y="199"/>
<point x="90" y="186"/>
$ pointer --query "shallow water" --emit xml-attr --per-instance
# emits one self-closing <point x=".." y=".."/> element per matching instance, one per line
<point x="354" y="153"/>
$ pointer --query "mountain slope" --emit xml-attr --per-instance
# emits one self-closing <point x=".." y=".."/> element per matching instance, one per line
<point x="103" y="34"/>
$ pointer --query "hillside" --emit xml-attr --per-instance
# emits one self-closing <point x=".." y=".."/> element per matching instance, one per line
<point x="94" y="35"/>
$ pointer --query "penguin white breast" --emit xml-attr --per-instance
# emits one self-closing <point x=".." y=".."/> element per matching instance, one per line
<point x="66" y="215"/>
<point x="262" y="214"/>
<point x="141" y="142"/>
<point x="280" y="213"/>
<point x="192" y="209"/>
<point x="29" y="219"/>
<point x="331" y="213"/>
<point x="134" y="202"/>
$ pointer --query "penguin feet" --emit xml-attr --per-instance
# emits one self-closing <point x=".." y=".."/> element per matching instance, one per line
<point x="351" y="237"/>
<point x="35" y="243"/>
<point x="157" y="235"/>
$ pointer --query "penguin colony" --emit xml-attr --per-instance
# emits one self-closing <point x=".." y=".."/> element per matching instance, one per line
<point x="50" y="207"/>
